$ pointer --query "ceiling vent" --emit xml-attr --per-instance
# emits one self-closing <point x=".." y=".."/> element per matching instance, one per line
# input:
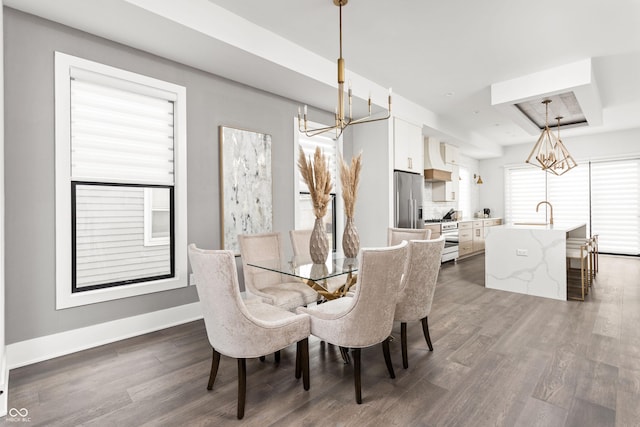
<point x="571" y="88"/>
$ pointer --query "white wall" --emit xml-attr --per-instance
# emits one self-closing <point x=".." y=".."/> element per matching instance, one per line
<point x="607" y="145"/>
<point x="375" y="203"/>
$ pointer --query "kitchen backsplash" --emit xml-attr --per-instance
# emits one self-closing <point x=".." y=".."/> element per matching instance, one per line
<point x="431" y="209"/>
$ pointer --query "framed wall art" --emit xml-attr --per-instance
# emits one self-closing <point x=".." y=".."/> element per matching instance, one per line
<point x="245" y="185"/>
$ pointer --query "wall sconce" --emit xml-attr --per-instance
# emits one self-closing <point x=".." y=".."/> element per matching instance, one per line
<point x="477" y="179"/>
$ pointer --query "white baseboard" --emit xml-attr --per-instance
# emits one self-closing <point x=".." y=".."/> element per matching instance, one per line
<point x="43" y="348"/>
<point x="4" y="372"/>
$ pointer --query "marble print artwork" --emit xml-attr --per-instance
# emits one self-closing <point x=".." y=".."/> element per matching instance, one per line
<point x="245" y="158"/>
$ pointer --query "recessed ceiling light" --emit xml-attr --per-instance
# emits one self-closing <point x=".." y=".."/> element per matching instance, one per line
<point x="450" y="93"/>
<point x="476" y="112"/>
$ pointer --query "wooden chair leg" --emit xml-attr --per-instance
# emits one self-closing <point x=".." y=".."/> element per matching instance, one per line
<point x="262" y="358"/>
<point x="403" y="344"/>
<point x="298" y="359"/>
<point x="305" y="363"/>
<point x="242" y="386"/>
<point x="387" y="357"/>
<point x="425" y="331"/>
<point x="277" y="356"/>
<point x="356" y="374"/>
<point x="215" y="362"/>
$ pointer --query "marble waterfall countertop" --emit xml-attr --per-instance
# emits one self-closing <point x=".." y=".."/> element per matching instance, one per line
<point x="529" y="258"/>
<point x="563" y="226"/>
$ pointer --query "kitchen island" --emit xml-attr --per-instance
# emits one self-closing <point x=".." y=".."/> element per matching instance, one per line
<point x="529" y="258"/>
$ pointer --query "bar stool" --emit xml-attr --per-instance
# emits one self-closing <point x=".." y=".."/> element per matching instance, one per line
<point x="591" y="244"/>
<point x="578" y="253"/>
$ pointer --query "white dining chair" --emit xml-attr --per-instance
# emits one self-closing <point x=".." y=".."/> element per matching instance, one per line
<point x="418" y="288"/>
<point x="397" y="235"/>
<point x="365" y="319"/>
<point x="272" y="287"/>
<point x="243" y="331"/>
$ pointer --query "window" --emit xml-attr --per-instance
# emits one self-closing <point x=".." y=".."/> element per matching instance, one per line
<point x="525" y="187"/>
<point x="603" y="194"/>
<point x="615" y="205"/>
<point x="305" y="217"/>
<point x="120" y="183"/>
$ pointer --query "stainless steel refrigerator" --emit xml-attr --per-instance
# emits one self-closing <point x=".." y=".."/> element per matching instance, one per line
<point x="407" y="189"/>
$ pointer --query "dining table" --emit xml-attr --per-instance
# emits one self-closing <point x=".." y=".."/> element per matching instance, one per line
<point x="315" y="275"/>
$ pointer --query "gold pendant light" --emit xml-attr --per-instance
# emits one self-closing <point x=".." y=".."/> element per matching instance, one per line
<point x="341" y="121"/>
<point x="543" y="154"/>
<point x="564" y="161"/>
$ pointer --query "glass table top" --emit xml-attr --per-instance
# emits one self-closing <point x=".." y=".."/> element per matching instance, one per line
<point x="336" y="265"/>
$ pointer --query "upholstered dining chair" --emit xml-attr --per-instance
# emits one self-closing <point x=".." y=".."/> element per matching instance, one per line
<point x="272" y="287"/>
<point x="418" y="288"/>
<point x="365" y="319"/>
<point x="397" y="235"/>
<point x="300" y="244"/>
<point x="243" y="331"/>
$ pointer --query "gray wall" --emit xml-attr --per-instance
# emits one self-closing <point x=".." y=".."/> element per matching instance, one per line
<point x="30" y="43"/>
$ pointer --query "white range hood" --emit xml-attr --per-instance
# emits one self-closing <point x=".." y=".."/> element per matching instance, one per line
<point x="435" y="168"/>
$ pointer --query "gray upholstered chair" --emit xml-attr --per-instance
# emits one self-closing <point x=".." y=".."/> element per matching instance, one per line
<point x="273" y="288"/>
<point x="243" y="331"/>
<point x="418" y="288"/>
<point x="365" y="319"/>
<point x="397" y="235"/>
<point x="300" y="244"/>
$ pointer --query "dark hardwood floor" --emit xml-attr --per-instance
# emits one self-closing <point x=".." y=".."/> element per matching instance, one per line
<point x="499" y="359"/>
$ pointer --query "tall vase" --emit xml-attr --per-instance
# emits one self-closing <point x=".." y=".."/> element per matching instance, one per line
<point x="318" y="244"/>
<point x="350" y="239"/>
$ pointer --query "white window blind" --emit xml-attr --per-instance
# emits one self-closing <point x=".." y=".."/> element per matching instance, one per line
<point x="524" y="189"/>
<point x="603" y="194"/>
<point x="615" y="205"/>
<point x="569" y="195"/>
<point x="118" y="135"/>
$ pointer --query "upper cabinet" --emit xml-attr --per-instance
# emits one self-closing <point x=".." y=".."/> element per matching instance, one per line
<point x="447" y="191"/>
<point x="408" y="146"/>
<point x="450" y="154"/>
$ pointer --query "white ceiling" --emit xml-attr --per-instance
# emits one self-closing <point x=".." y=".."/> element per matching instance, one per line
<point x="443" y="56"/>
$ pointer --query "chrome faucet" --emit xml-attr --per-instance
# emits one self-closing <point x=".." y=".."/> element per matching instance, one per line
<point x="550" y="210"/>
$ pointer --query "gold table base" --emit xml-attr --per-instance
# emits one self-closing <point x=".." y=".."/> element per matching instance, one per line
<point x="338" y="293"/>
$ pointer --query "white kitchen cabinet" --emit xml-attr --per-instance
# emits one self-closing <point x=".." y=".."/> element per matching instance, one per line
<point x="447" y="191"/>
<point x="450" y="154"/>
<point x="408" y="147"/>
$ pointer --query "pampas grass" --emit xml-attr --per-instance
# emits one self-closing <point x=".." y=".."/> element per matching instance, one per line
<point x="350" y="177"/>
<point x="317" y="176"/>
